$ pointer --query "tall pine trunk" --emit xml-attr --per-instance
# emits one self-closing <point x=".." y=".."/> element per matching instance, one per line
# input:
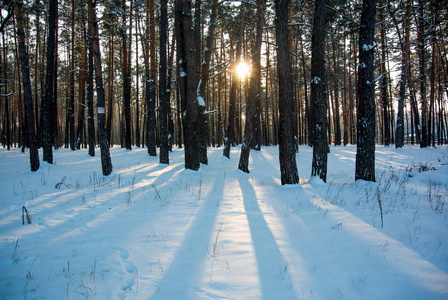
<point x="287" y="143"/>
<point x="49" y="81"/>
<point x="254" y="94"/>
<point x="150" y="73"/>
<point x="126" y="82"/>
<point x="189" y="76"/>
<point x="230" y="136"/>
<point x="319" y="93"/>
<point x="26" y="83"/>
<point x="106" y="162"/>
<point x="163" y="94"/>
<point x="91" y="116"/>
<point x="365" y="148"/>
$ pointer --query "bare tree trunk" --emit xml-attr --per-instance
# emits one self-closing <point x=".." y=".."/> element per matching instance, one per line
<point x="421" y="32"/>
<point x="230" y="137"/>
<point x="319" y="93"/>
<point x="106" y="162"/>
<point x="250" y="130"/>
<point x="49" y="80"/>
<point x="151" y="72"/>
<point x="287" y="149"/>
<point x="365" y="147"/>
<point x="91" y="117"/>
<point x="82" y="93"/>
<point x="384" y="80"/>
<point x="399" y="135"/>
<point x="71" y="111"/>
<point x="126" y="81"/>
<point x="110" y="89"/>
<point x="26" y="83"/>
<point x="163" y="95"/>
<point x="188" y="49"/>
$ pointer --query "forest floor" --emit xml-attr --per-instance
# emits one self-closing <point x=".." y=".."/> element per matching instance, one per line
<point x="151" y="231"/>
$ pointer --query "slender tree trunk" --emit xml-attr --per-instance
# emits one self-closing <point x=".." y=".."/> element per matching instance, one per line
<point x="126" y="82"/>
<point x="203" y="118"/>
<point x="399" y="135"/>
<point x="424" y="142"/>
<point x="106" y="162"/>
<point x="163" y="94"/>
<point x="287" y="149"/>
<point x="110" y="89"/>
<point x="384" y="79"/>
<point x="230" y="137"/>
<point x="318" y="93"/>
<point x="365" y="147"/>
<point x="151" y="72"/>
<point x="82" y="94"/>
<point x="188" y="51"/>
<point x="137" y="93"/>
<point x="254" y="94"/>
<point x="26" y="83"/>
<point x="71" y="111"/>
<point x="91" y="117"/>
<point x="49" y="80"/>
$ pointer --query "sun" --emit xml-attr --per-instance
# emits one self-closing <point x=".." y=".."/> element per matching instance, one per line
<point x="242" y="70"/>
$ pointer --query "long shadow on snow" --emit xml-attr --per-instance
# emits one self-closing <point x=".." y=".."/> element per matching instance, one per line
<point x="182" y="280"/>
<point x="271" y="263"/>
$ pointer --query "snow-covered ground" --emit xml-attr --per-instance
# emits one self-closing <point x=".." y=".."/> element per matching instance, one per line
<point x="151" y="231"/>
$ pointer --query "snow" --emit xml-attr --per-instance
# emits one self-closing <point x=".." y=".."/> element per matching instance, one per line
<point x="153" y="231"/>
<point x="366" y="47"/>
<point x="316" y="80"/>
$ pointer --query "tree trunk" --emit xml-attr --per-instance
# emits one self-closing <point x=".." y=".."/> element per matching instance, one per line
<point x="399" y="135"/>
<point x="421" y="32"/>
<point x="49" y="80"/>
<point x="106" y="162"/>
<point x="126" y="81"/>
<point x="188" y="51"/>
<point x="91" y="117"/>
<point x="150" y="71"/>
<point x="72" y="135"/>
<point x="110" y="89"/>
<point x="26" y="83"/>
<point x="365" y="150"/>
<point x="384" y="80"/>
<point x="287" y="149"/>
<point x="163" y="95"/>
<point x="82" y="94"/>
<point x="318" y="93"/>
<point x="203" y="122"/>
<point x="254" y="94"/>
<point x="230" y="137"/>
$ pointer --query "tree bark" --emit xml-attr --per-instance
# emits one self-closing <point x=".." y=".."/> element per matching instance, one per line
<point x="384" y="80"/>
<point x="106" y="162"/>
<point x="230" y="137"/>
<point x="189" y="63"/>
<point x="126" y="81"/>
<point x="319" y="93"/>
<point x="49" y="80"/>
<point x="163" y="95"/>
<point x="421" y="32"/>
<point x="365" y="149"/>
<point x="254" y="94"/>
<point x="26" y="83"/>
<point x="150" y="71"/>
<point x="287" y="143"/>
<point x="91" y="117"/>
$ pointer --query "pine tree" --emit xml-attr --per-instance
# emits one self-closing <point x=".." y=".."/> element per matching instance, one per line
<point x="26" y="83"/>
<point x="365" y="150"/>
<point x="287" y="149"/>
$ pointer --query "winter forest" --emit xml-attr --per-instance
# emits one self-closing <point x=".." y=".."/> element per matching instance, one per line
<point x="200" y="116"/>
